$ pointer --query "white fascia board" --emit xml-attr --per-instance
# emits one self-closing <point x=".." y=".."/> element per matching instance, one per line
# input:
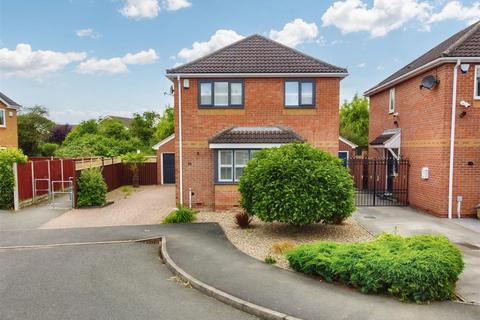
<point x="243" y="145"/>
<point x="348" y="142"/>
<point x="419" y="70"/>
<point x="9" y="105"/>
<point x="161" y="143"/>
<point x="258" y="75"/>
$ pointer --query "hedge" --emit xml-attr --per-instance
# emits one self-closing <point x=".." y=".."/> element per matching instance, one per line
<point x="297" y="184"/>
<point x="7" y="181"/>
<point x="419" y="268"/>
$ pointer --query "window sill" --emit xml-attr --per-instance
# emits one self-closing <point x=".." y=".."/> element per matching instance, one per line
<point x="300" y="107"/>
<point x="225" y="183"/>
<point x="221" y="107"/>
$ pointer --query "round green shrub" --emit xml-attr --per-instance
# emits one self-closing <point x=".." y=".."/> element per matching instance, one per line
<point x="297" y="184"/>
<point x="92" y="189"/>
<point x="48" y="149"/>
<point x="419" y="268"/>
<point x="7" y="181"/>
<point x="180" y="215"/>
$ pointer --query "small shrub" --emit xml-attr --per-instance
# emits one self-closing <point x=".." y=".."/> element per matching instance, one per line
<point x="180" y="215"/>
<point x="283" y="247"/>
<point x="297" y="184"/>
<point x="127" y="191"/>
<point x="92" y="189"/>
<point x="48" y="149"/>
<point x="7" y="181"/>
<point x="243" y="219"/>
<point x="270" y="260"/>
<point x="419" y="268"/>
<point x="134" y="160"/>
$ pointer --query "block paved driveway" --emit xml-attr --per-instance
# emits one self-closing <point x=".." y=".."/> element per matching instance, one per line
<point x="406" y="221"/>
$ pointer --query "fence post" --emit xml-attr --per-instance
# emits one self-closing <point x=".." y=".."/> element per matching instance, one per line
<point x="33" y="181"/>
<point x="16" y="199"/>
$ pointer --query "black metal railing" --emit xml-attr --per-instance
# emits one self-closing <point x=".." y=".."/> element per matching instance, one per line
<point x="380" y="182"/>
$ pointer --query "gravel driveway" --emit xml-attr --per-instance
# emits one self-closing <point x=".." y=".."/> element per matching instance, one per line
<point x="147" y="205"/>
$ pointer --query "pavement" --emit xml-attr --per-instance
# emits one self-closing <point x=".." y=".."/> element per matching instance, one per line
<point x="204" y="252"/>
<point x="28" y="218"/>
<point x="407" y="221"/>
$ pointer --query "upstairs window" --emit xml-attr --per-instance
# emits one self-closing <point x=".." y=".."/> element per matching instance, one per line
<point x="3" y="121"/>
<point x="299" y="93"/>
<point x="223" y="93"/>
<point x="391" y="101"/>
<point x="476" y="89"/>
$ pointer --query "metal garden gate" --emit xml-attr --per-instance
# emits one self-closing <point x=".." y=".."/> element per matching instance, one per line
<point x="380" y="182"/>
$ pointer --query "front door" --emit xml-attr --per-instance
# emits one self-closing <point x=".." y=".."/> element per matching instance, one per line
<point x="390" y="170"/>
<point x="168" y="168"/>
<point x="343" y="155"/>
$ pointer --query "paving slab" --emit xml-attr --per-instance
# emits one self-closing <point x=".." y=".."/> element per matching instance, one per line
<point x="407" y="221"/>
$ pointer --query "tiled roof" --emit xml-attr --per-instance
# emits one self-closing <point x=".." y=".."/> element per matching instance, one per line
<point x="465" y="43"/>
<point x="9" y="101"/>
<point x="381" y="139"/>
<point x="256" y="54"/>
<point x="256" y="135"/>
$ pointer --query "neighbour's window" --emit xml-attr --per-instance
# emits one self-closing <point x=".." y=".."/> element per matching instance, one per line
<point x="3" y="121"/>
<point x="299" y="93"/>
<point x="231" y="164"/>
<point x="477" y="83"/>
<point x="391" y="101"/>
<point x="221" y="93"/>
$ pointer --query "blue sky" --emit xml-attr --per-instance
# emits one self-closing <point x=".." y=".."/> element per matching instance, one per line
<point x="87" y="58"/>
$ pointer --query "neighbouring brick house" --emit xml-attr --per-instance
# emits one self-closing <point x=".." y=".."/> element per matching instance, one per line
<point x="411" y="116"/>
<point x="8" y="122"/>
<point x="346" y="149"/>
<point x="253" y="94"/>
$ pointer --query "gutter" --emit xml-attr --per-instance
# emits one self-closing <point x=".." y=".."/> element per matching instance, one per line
<point x="419" y="70"/>
<point x="259" y="75"/>
<point x="452" y="139"/>
<point x="180" y="137"/>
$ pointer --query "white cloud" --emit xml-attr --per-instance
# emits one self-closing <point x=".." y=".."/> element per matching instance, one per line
<point x="383" y="17"/>
<point x="25" y="63"/>
<point x="361" y="65"/>
<point x="295" y="33"/>
<point x="220" y="39"/>
<point x="173" y="5"/>
<point x="140" y="9"/>
<point x="116" y="65"/>
<point x="455" y="10"/>
<point x="88" y="33"/>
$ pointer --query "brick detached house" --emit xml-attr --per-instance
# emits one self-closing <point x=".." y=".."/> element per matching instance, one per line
<point x="429" y="112"/>
<point x="250" y="95"/>
<point x="8" y="122"/>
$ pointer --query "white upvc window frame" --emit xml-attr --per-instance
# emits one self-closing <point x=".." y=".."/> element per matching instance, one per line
<point x="391" y="100"/>
<point x="236" y="165"/>
<point x="4" y="124"/>
<point x="230" y="166"/>
<point x="476" y="94"/>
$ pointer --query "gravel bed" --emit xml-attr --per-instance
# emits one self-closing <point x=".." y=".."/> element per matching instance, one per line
<point x="257" y="240"/>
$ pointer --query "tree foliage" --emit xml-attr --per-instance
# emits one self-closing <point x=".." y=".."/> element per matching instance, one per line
<point x="297" y="184"/>
<point x="354" y="120"/>
<point x="60" y="132"/>
<point x="133" y="160"/>
<point x="92" y="189"/>
<point x="34" y="129"/>
<point x="143" y="126"/>
<point x="166" y="125"/>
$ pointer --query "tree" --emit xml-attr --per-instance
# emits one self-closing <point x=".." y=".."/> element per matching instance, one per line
<point x="60" y="132"/>
<point x="133" y="160"/>
<point x="34" y="129"/>
<point x="166" y="125"/>
<point x="113" y="128"/>
<point x="143" y="126"/>
<point x="354" y="120"/>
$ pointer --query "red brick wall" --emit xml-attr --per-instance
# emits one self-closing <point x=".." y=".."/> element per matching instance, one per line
<point x="424" y="118"/>
<point x="263" y="107"/>
<point x="168" y="147"/>
<point x="342" y="146"/>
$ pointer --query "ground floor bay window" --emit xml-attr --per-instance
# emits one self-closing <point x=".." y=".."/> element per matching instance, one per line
<point x="230" y="164"/>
